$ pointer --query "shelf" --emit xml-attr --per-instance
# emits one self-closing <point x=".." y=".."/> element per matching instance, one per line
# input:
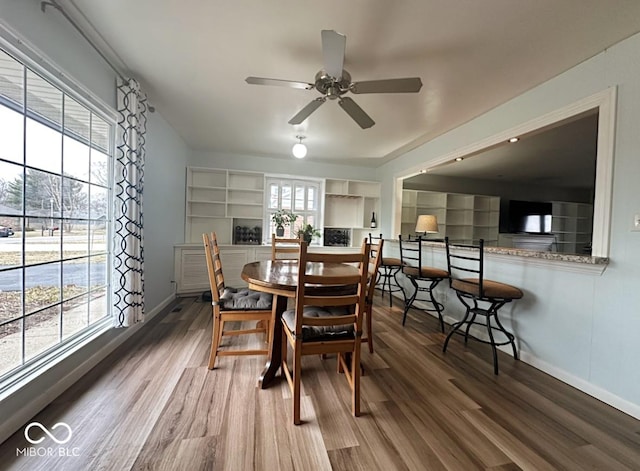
<point x="349" y="204"/>
<point x="208" y="178"/>
<point x="460" y="217"/>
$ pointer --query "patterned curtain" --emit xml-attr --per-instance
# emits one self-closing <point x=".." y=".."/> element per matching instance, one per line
<point x="128" y="278"/>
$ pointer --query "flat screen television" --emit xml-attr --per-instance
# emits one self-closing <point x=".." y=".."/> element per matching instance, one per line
<point x="531" y="217"/>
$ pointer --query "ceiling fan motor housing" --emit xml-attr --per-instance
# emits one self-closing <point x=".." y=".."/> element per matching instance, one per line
<point x="330" y="87"/>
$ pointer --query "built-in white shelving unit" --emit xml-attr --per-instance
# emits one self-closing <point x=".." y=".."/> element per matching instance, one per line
<point x="463" y="218"/>
<point x="229" y="202"/>
<point x="572" y="226"/>
<point x="349" y="204"/>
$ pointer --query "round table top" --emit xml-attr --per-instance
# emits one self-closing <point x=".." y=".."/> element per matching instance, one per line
<point x="283" y="274"/>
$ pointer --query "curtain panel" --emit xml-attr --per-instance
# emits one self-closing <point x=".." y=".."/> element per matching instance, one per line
<point x="128" y="266"/>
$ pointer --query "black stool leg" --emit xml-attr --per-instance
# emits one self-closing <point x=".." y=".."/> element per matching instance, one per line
<point x="509" y="335"/>
<point x="436" y="304"/>
<point x="492" y="342"/>
<point x="457" y="325"/>
<point x="408" y="303"/>
<point x="395" y="278"/>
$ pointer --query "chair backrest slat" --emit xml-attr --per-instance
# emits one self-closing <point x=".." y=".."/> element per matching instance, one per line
<point x="375" y="260"/>
<point x="284" y="248"/>
<point x="411" y="252"/>
<point x="317" y="278"/>
<point x="214" y="265"/>
<point x="473" y="255"/>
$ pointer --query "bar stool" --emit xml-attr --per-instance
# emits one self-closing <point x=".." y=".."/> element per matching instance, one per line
<point x="389" y="269"/>
<point x="414" y="269"/>
<point x="469" y="259"/>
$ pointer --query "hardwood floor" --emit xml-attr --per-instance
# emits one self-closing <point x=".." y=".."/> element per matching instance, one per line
<point x="154" y="405"/>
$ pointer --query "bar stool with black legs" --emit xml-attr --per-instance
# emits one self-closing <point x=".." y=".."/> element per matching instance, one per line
<point x="388" y="272"/>
<point x="423" y="278"/>
<point x="466" y="269"/>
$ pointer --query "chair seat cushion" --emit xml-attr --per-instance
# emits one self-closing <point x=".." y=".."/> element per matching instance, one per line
<point x="244" y="299"/>
<point x="391" y="262"/>
<point x="318" y="333"/>
<point x="492" y="289"/>
<point x="425" y="272"/>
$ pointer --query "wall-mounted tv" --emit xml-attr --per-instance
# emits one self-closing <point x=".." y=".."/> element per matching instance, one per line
<point x="532" y="217"/>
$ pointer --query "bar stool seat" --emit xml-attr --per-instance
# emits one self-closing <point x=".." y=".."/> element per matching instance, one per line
<point x="387" y="274"/>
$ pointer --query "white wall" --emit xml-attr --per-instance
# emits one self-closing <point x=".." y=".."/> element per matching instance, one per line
<point x="163" y="199"/>
<point x="580" y="327"/>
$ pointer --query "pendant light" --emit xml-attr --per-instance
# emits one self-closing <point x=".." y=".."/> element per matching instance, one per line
<point x="299" y="150"/>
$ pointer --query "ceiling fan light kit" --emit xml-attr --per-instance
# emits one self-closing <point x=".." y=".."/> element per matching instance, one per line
<point x="333" y="82"/>
<point x="299" y="150"/>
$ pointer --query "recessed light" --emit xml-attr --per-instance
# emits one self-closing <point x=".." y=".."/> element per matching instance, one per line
<point x="423" y="171"/>
<point x="459" y="159"/>
<point x="514" y="139"/>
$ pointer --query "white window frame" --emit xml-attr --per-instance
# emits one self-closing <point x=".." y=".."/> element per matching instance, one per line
<point x="34" y="60"/>
<point x="282" y="180"/>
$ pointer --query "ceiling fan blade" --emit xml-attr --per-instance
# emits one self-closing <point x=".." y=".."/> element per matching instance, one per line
<point x="401" y="85"/>
<point x="333" y="45"/>
<point x="357" y="113"/>
<point x="278" y="82"/>
<point x="307" y="110"/>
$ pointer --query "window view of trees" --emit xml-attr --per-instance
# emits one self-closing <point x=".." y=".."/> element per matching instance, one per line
<point x="55" y="155"/>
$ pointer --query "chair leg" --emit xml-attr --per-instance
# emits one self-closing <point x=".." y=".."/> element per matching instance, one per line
<point x="370" y="328"/>
<point x="215" y="339"/>
<point x="456" y="326"/>
<point x="509" y="335"/>
<point x="355" y="378"/>
<point x="436" y="304"/>
<point x="398" y="284"/>
<point x="297" y="368"/>
<point x="408" y="303"/>
<point x="385" y="280"/>
<point x="285" y="346"/>
<point x="389" y="275"/>
<point x="492" y="342"/>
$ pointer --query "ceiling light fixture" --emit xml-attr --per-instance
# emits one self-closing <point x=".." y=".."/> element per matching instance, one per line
<point x="514" y="139"/>
<point x="299" y="150"/>
<point x="459" y="159"/>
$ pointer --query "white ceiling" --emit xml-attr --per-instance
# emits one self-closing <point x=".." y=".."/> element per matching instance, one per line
<point x="192" y="56"/>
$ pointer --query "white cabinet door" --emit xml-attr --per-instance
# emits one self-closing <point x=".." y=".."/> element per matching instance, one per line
<point x="190" y="270"/>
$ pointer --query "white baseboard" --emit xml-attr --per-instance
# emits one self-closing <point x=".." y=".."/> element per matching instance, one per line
<point x="14" y="422"/>
<point x="586" y="387"/>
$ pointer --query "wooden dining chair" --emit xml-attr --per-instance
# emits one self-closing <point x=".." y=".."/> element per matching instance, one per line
<point x="375" y="261"/>
<point x="326" y="318"/>
<point x="284" y="248"/>
<point x="230" y="304"/>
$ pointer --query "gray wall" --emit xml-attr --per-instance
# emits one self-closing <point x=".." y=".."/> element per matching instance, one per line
<point x="163" y="198"/>
<point x="580" y="327"/>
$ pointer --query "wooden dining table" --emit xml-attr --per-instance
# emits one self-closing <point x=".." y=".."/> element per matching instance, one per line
<point x="280" y="278"/>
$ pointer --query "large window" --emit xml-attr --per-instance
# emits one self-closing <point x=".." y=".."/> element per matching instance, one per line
<point x="302" y="197"/>
<point x="55" y="156"/>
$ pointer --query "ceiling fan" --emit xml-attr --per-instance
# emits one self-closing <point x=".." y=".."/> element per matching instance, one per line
<point x="333" y="82"/>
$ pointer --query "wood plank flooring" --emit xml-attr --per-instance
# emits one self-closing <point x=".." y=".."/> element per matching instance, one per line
<point x="153" y="405"/>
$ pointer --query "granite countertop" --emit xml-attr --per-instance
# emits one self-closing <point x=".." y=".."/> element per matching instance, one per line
<point x="562" y="257"/>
